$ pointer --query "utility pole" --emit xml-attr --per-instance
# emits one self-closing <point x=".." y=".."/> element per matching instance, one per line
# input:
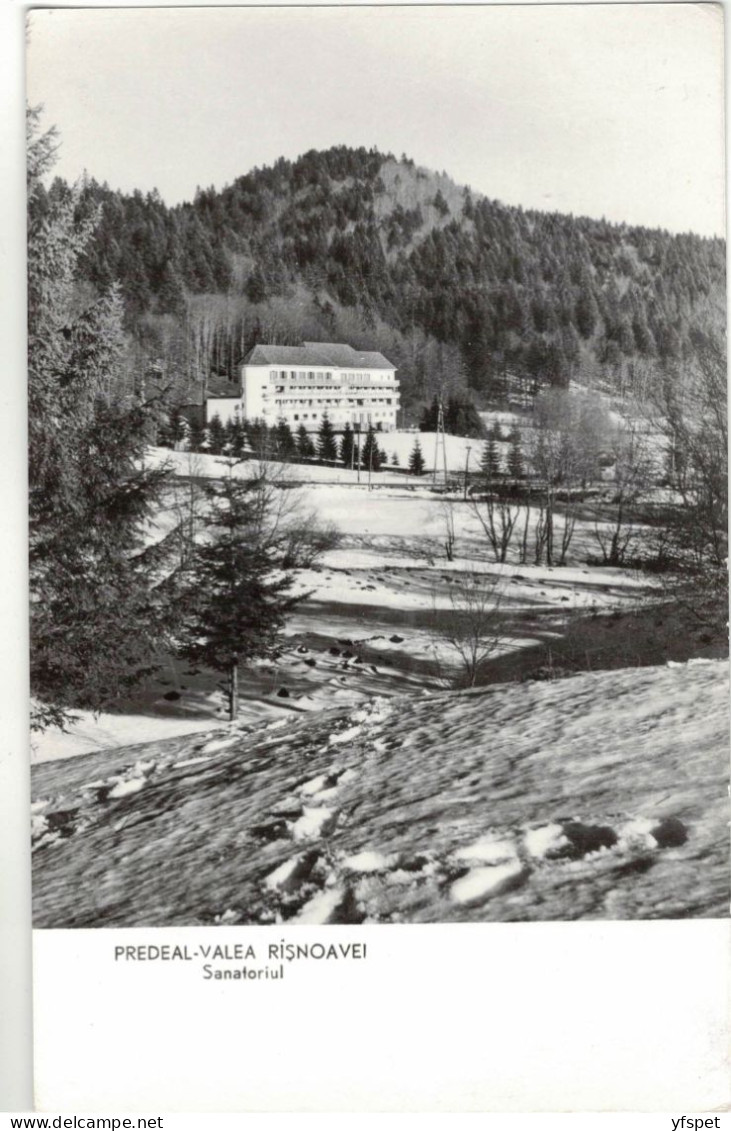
<point x="440" y="439"/>
<point x="234" y="690"/>
<point x="466" y="470"/>
<point x="357" y="434"/>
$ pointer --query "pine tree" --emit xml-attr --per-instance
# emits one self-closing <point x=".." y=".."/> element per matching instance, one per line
<point x="196" y="436"/>
<point x="395" y="460"/>
<point x="347" y="443"/>
<point x="516" y="464"/>
<point x="238" y="438"/>
<point x="284" y="443"/>
<point x="216" y="435"/>
<point x="490" y="463"/>
<point x="259" y="438"/>
<point x="97" y="616"/>
<point x="371" y="456"/>
<point x="305" y="447"/>
<point x="462" y="419"/>
<point x="326" y="446"/>
<point x="430" y="416"/>
<point x="235" y="606"/>
<point x="416" y="460"/>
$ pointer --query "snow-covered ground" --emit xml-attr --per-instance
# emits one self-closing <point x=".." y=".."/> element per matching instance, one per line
<point x="357" y="785"/>
<point x="369" y="624"/>
<point x="601" y="796"/>
<point x="400" y="444"/>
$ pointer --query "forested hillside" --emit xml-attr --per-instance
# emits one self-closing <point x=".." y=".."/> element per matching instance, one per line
<point x="351" y="244"/>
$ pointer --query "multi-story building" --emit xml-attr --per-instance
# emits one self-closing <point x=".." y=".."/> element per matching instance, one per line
<point x="301" y="384"/>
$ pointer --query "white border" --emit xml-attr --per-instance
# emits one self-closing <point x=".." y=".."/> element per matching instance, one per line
<point x="634" y="1002"/>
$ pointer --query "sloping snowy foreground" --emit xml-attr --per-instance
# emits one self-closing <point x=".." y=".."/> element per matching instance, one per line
<point x="601" y="796"/>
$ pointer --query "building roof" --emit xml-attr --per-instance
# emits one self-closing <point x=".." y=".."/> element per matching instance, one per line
<point x="318" y="353"/>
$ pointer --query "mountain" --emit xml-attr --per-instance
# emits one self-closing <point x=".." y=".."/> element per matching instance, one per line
<point x="460" y="291"/>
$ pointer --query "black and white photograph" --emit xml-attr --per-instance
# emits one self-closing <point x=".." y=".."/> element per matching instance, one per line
<point x="377" y="440"/>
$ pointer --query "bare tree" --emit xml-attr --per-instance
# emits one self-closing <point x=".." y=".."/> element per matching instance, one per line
<point x="447" y="508"/>
<point x="470" y="626"/>
<point x="568" y="436"/>
<point x="687" y="407"/>
<point x="631" y="451"/>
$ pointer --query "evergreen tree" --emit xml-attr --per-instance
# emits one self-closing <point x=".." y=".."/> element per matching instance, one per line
<point x="516" y="464"/>
<point x="395" y="460"/>
<point x="347" y="443"/>
<point x="371" y="456"/>
<point x="326" y="445"/>
<point x="229" y="434"/>
<point x="171" y="293"/>
<point x="216" y="435"/>
<point x="259" y="438"/>
<point x="430" y="416"/>
<point x="305" y="447"/>
<point x="490" y="463"/>
<point x="237" y="439"/>
<point x="416" y="460"/>
<point x="462" y="419"/>
<point x="284" y="443"/>
<point x="196" y="435"/>
<point x="234" y="606"/>
<point x="97" y="619"/>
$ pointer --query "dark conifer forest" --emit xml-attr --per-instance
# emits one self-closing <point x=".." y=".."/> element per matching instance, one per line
<point x="462" y="293"/>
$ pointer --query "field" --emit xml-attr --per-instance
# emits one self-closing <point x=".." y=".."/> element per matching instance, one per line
<point x="583" y="777"/>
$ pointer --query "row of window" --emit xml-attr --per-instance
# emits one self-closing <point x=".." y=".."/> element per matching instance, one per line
<point x="336" y="404"/>
<point x="342" y="378"/>
<point x="361" y="417"/>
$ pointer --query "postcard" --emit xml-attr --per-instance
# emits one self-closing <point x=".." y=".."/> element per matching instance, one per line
<point x="378" y="499"/>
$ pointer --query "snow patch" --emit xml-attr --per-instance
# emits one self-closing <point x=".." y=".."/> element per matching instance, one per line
<point x="326" y="795"/>
<point x="345" y="736"/>
<point x="636" y="835"/>
<point x="545" y="840"/>
<point x="122" y="788"/>
<point x="220" y="744"/>
<point x="368" y="862"/>
<point x="313" y="823"/>
<point x="282" y="874"/>
<point x="321" y="907"/>
<point x="191" y="761"/>
<point x="315" y="785"/>
<point x="483" y="882"/>
<point x="488" y="850"/>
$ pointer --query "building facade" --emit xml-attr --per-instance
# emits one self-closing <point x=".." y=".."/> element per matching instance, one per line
<point x="302" y="384"/>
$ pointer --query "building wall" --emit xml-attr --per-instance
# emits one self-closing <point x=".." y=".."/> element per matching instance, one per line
<point x="225" y="408"/>
<point x="348" y="396"/>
